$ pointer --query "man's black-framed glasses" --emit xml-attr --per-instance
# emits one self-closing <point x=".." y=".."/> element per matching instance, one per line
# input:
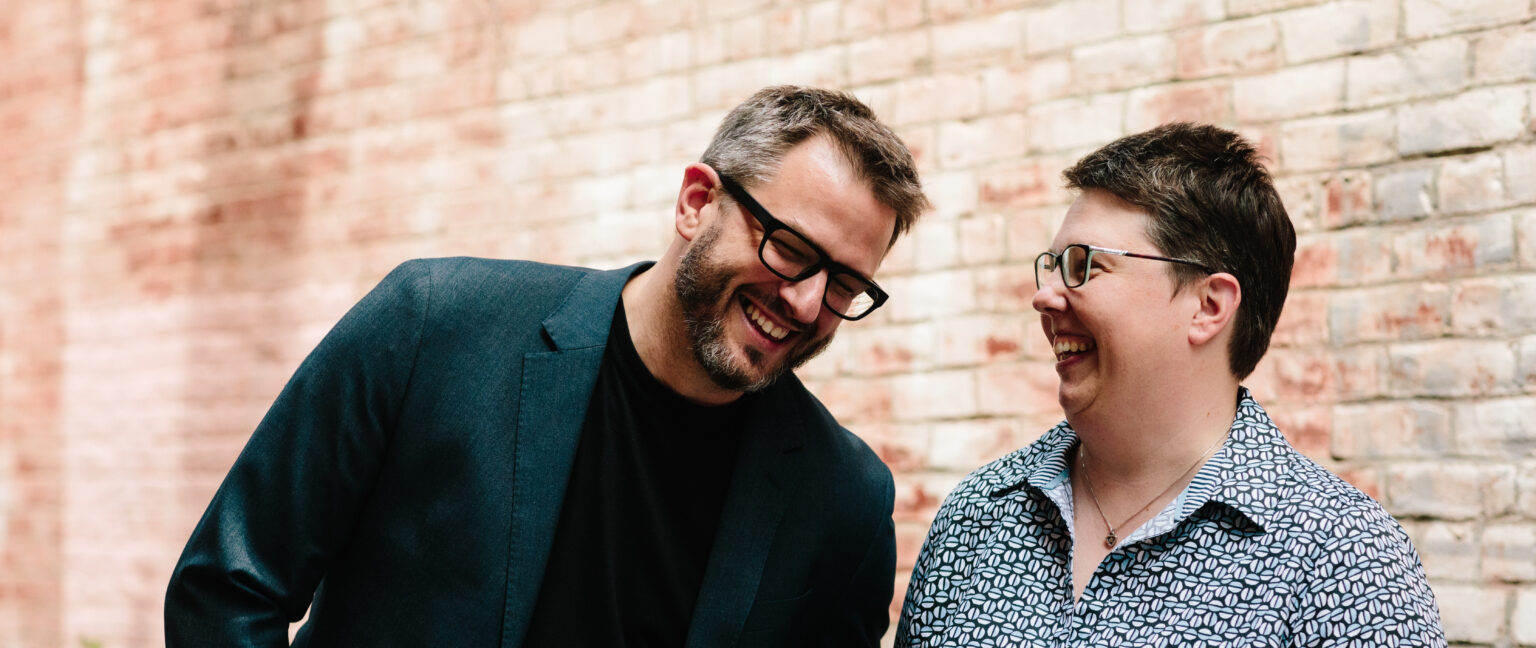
<point x="1076" y="263"/>
<point x="793" y="257"/>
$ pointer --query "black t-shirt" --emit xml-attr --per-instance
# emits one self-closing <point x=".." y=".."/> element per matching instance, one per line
<point x="640" y="510"/>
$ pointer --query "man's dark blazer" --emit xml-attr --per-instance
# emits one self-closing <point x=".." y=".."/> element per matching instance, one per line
<point x="413" y="469"/>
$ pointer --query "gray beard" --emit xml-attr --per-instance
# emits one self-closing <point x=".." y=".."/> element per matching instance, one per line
<point x="700" y="286"/>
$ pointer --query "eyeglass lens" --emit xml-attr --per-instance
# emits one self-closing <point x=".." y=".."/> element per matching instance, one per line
<point x="1073" y="262"/>
<point x="790" y="256"/>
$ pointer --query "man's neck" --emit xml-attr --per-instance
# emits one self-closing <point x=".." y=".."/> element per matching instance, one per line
<point x="661" y="338"/>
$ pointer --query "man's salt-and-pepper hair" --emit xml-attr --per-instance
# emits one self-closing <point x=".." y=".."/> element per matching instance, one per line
<point x="753" y="138"/>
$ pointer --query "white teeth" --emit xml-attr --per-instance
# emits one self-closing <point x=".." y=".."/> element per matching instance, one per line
<point x="776" y="332"/>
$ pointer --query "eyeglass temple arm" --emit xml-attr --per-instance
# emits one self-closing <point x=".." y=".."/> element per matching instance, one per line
<point x="1151" y="256"/>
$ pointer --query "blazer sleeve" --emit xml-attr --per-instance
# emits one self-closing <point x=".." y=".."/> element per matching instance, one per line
<point x="865" y="614"/>
<point x="293" y="495"/>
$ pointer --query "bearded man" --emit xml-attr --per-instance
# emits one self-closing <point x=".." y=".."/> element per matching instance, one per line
<point x="503" y="453"/>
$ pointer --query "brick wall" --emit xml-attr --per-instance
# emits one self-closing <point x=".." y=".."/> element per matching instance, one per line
<point x="194" y="192"/>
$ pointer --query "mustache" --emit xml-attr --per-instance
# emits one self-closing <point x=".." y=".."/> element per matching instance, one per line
<point x="778" y="307"/>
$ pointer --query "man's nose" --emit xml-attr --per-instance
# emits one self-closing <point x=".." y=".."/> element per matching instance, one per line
<point x="804" y="297"/>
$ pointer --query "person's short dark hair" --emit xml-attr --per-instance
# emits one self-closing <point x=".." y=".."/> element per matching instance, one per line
<point x="1209" y="200"/>
<point x="753" y="138"/>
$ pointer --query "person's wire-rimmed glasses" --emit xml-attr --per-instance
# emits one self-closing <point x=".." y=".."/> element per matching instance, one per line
<point x="1076" y="263"/>
<point x="793" y="257"/>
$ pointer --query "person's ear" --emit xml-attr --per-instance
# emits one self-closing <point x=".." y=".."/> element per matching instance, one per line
<point x="700" y="182"/>
<point x="1219" y="296"/>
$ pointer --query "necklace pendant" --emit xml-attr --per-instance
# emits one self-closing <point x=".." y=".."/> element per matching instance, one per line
<point x="1109" y="540"/>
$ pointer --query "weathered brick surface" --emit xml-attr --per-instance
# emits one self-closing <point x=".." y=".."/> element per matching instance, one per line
<point x="195" y="193"/>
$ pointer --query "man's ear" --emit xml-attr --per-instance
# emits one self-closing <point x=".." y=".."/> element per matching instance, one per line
<point x="1220" y="295"/>
<point x="699" y="185"/>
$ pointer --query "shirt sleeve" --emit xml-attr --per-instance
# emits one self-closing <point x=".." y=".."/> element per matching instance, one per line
<point x="253" y="562"/>
<point x="1367" y="589"/>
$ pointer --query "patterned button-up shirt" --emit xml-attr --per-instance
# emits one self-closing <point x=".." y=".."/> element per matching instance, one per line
<point x="1263" y="548"/>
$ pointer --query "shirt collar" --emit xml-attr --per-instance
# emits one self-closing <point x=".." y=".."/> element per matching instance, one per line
<point x="1229" y="477"/>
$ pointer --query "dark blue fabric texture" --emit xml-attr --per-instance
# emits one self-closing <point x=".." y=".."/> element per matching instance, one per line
<point x="405" y="485"/>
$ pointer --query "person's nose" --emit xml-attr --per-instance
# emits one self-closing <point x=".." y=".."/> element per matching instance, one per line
<point x="1051" y="294"/>
<point x="804" y="297"/>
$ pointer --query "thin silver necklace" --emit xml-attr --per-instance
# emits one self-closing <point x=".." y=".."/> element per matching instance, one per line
<point x="1109" y="540"/>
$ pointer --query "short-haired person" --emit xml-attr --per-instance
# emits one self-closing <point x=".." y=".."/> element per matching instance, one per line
<point x="503" y="453"/>
<point x="1167" y="510"/>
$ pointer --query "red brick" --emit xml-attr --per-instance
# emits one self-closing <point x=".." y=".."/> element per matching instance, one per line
<point x="1472" y="613"/>
<point x="935" y="244"/>
<point x="1429" y="18"/>
<point x="1250" y="45"/>
<point x="1505" y="55"/>
<point x="1449" y="490"/>
<point x="1523" y="626"/>
<point x="1018" y="85"/>
<point x="1519" y="163"/>
<point x="1123" y="63"/>
<point x="1005" y="289"/>
<point x="1472" y="184"/>
<point x="1471" y="119"/>
<point x="1387" y="313"/>
<point x="1428" y="69"/>
<point x="1207" y="102"/>
<point x="962" y="144"/>
<point x="1452" y="545"/>
<point x="891" y="56"/>
<point x="1029" y="185"/>
<point x="1250" y="7"/>
<point x="1346" y="200"/>
<point x="1303" y="322"/>
<point x="982" y="240"/>
<point x="939" y="97"/>
<point x="1496" y="429"/>
<point x="1405" y="194"/>
<point x="1307" y="429"/>
<point x="1452" y="368"/>
<point x="903" y="448"/>
<point x="1161" y="15"/>
<point x="1396" y="429"/>
<point x="1015" y="389"/>
<point x="1064" y="25"/>
<point x="910" y="537"/>
<point x="963" y="446"/>
<point x="987" y="39"/>
<point x="1302" y="197"/>
<point x="1300" y="376"/>
<point x="935" y="395"/>
<point x="918" y="496"/>
<point x="1316" y="262"/>
<point x="1509" y="553"/>
<point x="1337" y="28"/>
<point x="953" y="193"/>
<point x="1359" y="373"/>
<point x="1525" y="238"/>
<point x="1290" y="92"/>
<point x="1527" y="352"/>
<point x="1450" y="250"/>
<point x="1075" y="123"/>
<point x="1030" y="231"/>
<point x="1337" y="141"/>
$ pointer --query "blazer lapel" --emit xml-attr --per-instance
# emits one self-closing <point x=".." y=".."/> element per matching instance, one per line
<point x="761" y="489"/>
<point x="556" y="386"/>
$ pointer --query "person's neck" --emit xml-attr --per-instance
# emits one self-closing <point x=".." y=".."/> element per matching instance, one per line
<point x="661" y="338"/>
<point x="1148" y="444"/>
